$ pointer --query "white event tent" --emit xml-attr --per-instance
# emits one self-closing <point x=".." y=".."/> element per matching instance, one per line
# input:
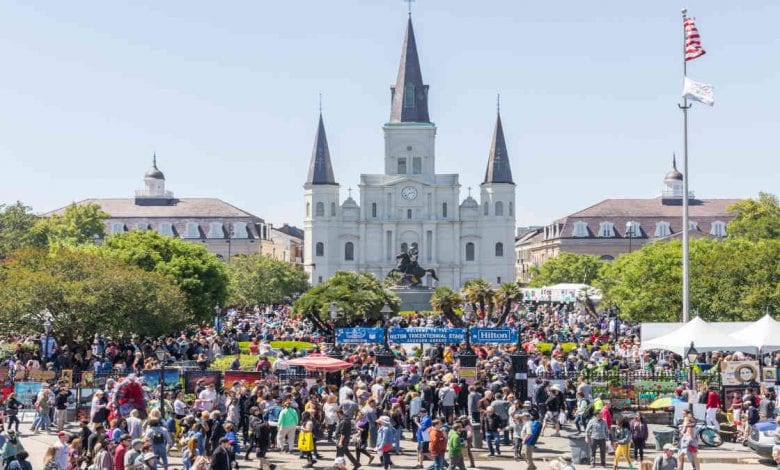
<point x="705" y="337"/>
<point x="763" y="334"/>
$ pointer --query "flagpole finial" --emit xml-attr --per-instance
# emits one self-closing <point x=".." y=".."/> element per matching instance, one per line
<point x="684" y="12"/>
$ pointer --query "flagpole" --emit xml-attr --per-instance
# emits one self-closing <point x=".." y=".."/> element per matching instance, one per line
<point x="685" y="252"/>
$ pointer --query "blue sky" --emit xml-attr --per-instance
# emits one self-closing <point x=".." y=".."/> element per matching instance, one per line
<point x="226" y="93"/>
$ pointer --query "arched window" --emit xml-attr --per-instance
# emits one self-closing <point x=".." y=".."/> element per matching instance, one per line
<point x="373" y="209"/>
<point x="606" y="230"/>
<point x="487" y="208"/>
<point x="511" y="208"/>
<point x="308" y="209"/>
<point x="319" y="249"/>
<point x="499" y="249"/>
<point x="444" y="210"/>
<point x="349" y="251"/>
<point x="499" y="208"/>
<point x="319" y="210"/>
<point x="332" y="209"/>
<point x="469" y="251"/>
<point x="404" y="247"/>
<point x="662" y="229"/>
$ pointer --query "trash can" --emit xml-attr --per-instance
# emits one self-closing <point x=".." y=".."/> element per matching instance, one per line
<point x="476" y="435"/>
<point x="580" y="450"/>
<point x="663" y="437"/>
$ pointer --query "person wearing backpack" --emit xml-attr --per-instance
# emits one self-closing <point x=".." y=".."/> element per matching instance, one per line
<point x="583" y="413"/>
<point x="160" y="438"/>
<point x="437" y="446"/>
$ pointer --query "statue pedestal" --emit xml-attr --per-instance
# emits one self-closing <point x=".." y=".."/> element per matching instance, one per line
<point x="414" y="298"/>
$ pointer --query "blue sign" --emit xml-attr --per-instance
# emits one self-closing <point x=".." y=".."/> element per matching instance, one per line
<point x="427" y="335"/>
<point x="493" y="335"/>
<point x="360" y="335"/>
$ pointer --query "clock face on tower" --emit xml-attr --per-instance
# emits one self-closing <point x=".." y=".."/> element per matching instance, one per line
<point x="409" y="193"/>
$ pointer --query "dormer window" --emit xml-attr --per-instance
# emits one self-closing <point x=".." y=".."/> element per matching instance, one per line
<point x="580" y="229"/>
<point x="215" y="230"/>
<point x="117" y="228"/>
<point x="606" y="230"/>
<point x="662" y="229"/>
<point x="141" y="226"/>
<point x="633" y="229"/>
<point x="718" y="229"/>
<point x="693" y="225"/>
<point x="166" y="229"/>
<point x="192" y="230"/>
<point x="239" y="230"/>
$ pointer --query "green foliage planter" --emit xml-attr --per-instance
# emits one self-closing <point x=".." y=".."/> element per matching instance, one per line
<point x="291" y="344"/>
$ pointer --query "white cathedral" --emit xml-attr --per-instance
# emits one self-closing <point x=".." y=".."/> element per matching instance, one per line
<point x="411" y="206"/>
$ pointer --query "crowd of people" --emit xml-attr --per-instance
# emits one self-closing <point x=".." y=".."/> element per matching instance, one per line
<point x="364" y="412"/>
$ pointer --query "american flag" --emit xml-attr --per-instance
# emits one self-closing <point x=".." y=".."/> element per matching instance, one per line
<point x="693" y="48"/>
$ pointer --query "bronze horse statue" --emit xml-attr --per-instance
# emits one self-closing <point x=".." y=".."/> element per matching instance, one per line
<point x="410" y="270"/>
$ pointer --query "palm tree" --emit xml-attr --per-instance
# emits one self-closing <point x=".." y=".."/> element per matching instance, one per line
<point x="446" y="300"/>
<point x="505" y="295"/>
<point x="479" y="291"/>
<point x="471" y="293"/>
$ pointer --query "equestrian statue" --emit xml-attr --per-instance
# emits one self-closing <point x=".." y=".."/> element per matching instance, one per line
<point x="410" y="270"/>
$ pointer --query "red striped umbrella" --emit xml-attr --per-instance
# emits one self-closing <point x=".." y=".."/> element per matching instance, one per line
<point x="320" y="362"/>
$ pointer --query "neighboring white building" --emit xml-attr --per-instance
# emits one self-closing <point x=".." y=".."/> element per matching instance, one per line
<point x="410" y="205"/>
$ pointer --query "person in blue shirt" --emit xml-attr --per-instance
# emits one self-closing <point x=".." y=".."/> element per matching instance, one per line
<point x="423" y="422"/>
<point x="531" y="431"/>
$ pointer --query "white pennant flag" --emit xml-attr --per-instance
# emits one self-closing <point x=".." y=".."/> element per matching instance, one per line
<point x="698" y="91"/>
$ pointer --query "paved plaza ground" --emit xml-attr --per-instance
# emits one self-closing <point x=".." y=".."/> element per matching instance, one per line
<point x="549" y="448"/>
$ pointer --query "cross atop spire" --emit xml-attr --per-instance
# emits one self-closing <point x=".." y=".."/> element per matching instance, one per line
<point x="498" y="102"/>
<point x="154" y="159"/>
<point x="349" y="191"/>
<point x="320" y="168"/>
<point x="410" y="94"/>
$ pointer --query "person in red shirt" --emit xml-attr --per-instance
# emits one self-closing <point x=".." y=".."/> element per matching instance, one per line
<point x="713" y="404"/>
<point x="119" y="452"/>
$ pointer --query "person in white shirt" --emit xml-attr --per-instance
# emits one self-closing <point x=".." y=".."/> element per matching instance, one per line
<point x="378" y="390"/>
<point x="61" y="450"/>
<point x="208" y="398"/>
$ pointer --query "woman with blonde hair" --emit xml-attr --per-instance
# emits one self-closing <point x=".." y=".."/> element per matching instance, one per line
<point x="48" y="459"/>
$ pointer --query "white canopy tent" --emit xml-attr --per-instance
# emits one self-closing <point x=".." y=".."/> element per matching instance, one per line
<point x="763" y="334"/>
<point x="705" y="337"/>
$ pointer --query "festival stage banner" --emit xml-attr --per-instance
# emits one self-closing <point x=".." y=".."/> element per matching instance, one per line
<point x="192" y="377"/>
<point x="493" y="335"/>
<point x="27" y="392"/>
<point x="359" y="335"/>
<point x="427" y="335"/>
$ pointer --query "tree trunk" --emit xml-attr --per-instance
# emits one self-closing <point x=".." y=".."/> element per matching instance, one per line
<point x="450" y="315"/>
<point x="505" y="313"/>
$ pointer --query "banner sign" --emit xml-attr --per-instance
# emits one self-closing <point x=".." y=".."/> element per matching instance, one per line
<point x="493" y="335"/>
<point x="248" y="377"/>
<point x="427" y="335"/>
<point x="152" y="378"/>
<point x="547" y="294"/>
<point x="739" y="372"/>
<point x="204" y="377"/>
<point x="27" y="392"/>
<point x="359" y="335"/>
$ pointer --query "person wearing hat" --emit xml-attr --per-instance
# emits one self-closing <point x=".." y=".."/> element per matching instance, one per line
<point x="532" y="430"/>
<point x="134" y="453"/>
<point x="385" y="440"/>
<point x="667" y="460"/>
<point x="220" y="458"/>
<point x="149" y="461"/>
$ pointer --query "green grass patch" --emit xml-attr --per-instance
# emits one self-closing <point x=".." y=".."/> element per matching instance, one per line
<point x="291" y="344"/>
<point x="222" y="363"/>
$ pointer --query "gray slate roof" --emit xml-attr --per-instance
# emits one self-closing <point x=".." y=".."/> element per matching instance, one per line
<point x="184" y="207"/>
<point x="320" y="168"/>
<point x="498" y="169"/>
<point x="409" y="79"/>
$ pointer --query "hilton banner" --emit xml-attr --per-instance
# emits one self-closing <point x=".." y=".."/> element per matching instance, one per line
<point x="493" y="335"/>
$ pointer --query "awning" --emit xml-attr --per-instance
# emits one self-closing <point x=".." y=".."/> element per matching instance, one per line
<point x="319" y="362"/>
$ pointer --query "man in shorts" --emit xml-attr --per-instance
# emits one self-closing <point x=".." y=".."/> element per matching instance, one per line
<point x="423" y="422"/>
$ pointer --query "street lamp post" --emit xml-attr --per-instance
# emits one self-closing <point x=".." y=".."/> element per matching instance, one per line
<point x="160" y="353"/>
<point x="629" y="233"/>
<point x="47" y="329"/>
<point x="333" y="312"/>
<point x="692" y="355"/>
<point x="520" y="369"/>
<point x="386" y="357"/>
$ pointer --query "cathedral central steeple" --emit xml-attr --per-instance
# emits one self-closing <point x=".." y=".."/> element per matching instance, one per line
<point x="409" y="95"/>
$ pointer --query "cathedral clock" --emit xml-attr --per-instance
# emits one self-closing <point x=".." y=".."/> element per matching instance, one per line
<point x="409" y="193"/>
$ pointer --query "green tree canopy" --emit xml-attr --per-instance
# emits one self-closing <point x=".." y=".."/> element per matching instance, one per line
<point x="731" y="280"/>
<point x="86" y="294"/>
<point x="260" y="279"/>
<point x="567" y="268"/>
<point x="446" y="300"/>
<point x="16" y="220"/>
<point x="79" y="224"/>
<point x="755" y="219"/>
<point x="198" y="273"/>
<point x="357" y="296"/>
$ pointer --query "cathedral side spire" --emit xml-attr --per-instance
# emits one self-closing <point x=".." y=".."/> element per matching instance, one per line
<point x="409" y="95"/>
<point x="498" y="169"/>
<point x="320" y="168"/>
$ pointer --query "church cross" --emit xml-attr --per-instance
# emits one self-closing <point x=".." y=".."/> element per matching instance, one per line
<point x="410" y="6"/>
<point x="349" y="191"/>
<point x="469" y="191"/>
